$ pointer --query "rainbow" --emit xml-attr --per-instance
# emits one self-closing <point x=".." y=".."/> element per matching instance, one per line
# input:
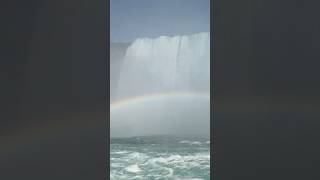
<point x="156" y="97"/>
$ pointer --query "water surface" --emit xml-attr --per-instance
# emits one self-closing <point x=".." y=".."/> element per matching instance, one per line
<point x="160" y="158"/>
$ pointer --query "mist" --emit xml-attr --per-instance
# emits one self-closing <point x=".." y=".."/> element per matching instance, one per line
<point x="161" y="86"/>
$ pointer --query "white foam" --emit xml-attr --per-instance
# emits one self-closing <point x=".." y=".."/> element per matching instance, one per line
<point x="137" y="156"/>
<point x="133" y="168"/>
<point x="191" y="142"/>
<point x="177" y="178"/>
<point x="120" y="152"/>
<point x="142" y="166"/>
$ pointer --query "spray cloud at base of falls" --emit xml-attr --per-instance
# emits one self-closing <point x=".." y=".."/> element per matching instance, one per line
<point x="160" y="72"/>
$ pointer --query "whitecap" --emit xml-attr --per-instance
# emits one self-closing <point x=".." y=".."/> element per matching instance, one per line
<point x="121" y="152"/>
<point x="133" y="168"/>
<point x="196" y="143"/>
<point x="190" y="142"/>
<point x="185" y="142"/>
<point x="137" y="155"/>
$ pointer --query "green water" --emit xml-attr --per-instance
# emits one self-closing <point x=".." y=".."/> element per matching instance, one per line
<point x="160" y="158"/>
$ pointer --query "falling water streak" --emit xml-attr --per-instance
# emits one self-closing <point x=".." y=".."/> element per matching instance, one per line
<point x="166" y="64"/>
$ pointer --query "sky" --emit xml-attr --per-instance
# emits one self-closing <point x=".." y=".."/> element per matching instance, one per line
<point x="132" y="19"/>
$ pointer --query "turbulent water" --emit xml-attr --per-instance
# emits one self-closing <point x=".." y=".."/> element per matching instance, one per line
<point x="160" y="158"/>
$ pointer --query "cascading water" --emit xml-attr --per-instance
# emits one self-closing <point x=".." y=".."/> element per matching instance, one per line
<point x="160" y="115"/>
<point x="179" y="63"/>
<point x="164" y="65"/>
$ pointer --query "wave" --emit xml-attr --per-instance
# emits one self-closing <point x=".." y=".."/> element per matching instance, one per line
<point x="191" y="142"/>
<point x="133" y="168"/>
<point x="159" y="165"/>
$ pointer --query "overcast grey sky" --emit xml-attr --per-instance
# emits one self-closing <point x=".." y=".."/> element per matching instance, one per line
<point x="131" y="19"/>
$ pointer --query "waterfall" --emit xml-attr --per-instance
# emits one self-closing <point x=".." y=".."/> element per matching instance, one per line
<point x="163" y="87"/>
<point x="179" y="63"/>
